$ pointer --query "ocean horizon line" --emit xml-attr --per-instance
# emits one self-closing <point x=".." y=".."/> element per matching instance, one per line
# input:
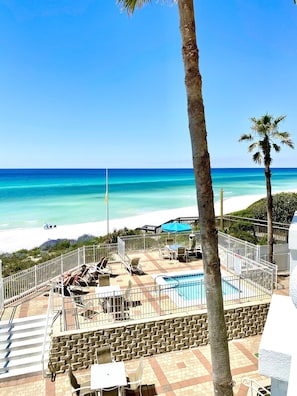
<point x="143" y="168"/>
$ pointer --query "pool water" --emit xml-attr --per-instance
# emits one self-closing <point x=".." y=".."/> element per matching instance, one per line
<point x="191" y="286"/>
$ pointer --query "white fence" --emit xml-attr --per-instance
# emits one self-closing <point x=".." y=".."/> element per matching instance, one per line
<point x="25" y="282"/>
<point x="28" y="281"/>
<point x="87" y="311"/>
<point x="245" y="259"/>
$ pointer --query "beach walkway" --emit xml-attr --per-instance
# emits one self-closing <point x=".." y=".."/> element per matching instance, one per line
<point x="181" y="373"/>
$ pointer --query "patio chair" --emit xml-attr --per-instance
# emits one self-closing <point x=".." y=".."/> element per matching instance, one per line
<point x="85" y="278"/>
<point x="104" y="280"/>
<point x="127" y="293"/>
<point x="103" y="267"/>
<point x="103" y="355"/>
<point x="182" y="254"/>
<point x="63" y="284"/>
<point x="68" y="279"/>
<point x="110" y="391"/>
<point x="169" y="241"/>
<point x="82" y="308"/>
<point x="80" y="276"/>
<point x="117" y="307"/>
<point x="135" y="377"/>
<point x="134" y="266"/>
<point x="165" y="253"/>
<point x="81" y="388"/>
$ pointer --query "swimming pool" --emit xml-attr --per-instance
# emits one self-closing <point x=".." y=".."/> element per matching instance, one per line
<point x="187" y="288"/>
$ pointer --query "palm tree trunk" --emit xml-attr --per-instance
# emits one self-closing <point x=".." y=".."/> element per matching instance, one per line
<point x="269" y="213"/>
<point x="222" y="378"/>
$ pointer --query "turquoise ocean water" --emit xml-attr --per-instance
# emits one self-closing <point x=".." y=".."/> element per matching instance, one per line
<point x="32" y="197"/>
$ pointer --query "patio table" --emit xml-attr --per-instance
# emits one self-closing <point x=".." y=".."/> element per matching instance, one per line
<point x="108" y="291"/>
<point x="173" y="250"/>
<point x="108" y="375"/>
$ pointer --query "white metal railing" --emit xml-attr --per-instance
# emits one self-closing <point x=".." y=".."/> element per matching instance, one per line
<point x="48" y="324"/>
<point x="30" y="280"/>
<point x="151" y="302"/>
<point x="1" y="290"/>
<point x="244" y="255"/>
<point x="255" y="388"/>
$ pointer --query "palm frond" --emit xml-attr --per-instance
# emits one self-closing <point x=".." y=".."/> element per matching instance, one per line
<point x="281" y="135"/>
<point x="278" y="120"/>
<point x="253" y="146"/>
<point x="276" y="147"/>
<point x="246" y="137"/>
<point x="130" y="5"/>
<point x="257" y="157"/>
<point x="284" y="138"/>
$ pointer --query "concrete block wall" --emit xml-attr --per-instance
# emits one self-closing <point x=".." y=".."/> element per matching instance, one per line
<point x="149" y="337"/>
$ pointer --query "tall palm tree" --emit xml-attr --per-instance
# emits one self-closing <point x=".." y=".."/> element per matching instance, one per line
<point x="266" y="130"/>
<point x="222" y="379"/>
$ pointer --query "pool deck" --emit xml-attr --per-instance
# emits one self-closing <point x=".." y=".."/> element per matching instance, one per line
<point x="181" y="373"/>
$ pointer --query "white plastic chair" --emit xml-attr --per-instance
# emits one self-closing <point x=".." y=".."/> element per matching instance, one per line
<point x="135" y="377"/>
<point x="80" y="385"/>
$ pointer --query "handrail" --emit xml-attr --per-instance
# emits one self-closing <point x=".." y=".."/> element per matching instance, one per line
<point x="48" y="317"/>
<point x="254" y="386"/>
<point x="170" y="277"/>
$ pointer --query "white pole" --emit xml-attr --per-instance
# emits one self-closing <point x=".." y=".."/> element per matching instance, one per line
<point x="222" y="210"/>
<point x="106" y="202"/>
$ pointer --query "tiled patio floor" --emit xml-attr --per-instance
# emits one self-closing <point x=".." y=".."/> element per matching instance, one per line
<point x="181" y="373"/>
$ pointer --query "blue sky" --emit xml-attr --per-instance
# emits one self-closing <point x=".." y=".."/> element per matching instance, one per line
<point x="85" y="86"/>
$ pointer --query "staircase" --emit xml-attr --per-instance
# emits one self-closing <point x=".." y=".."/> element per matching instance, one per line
<point x="21" y="345"/>
<point x="254" y="388"/>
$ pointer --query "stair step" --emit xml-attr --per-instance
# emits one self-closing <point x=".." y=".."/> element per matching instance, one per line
<point x="17" y="360"/>
<point x="24" y="343"/>
<point x="21" y="345"/>
<point x="9" y="355"/>
<point x="11" y="372"/>
<point x="25" y="360"/>
<point x="21" y="326"/>
<point x="27" y="319"/>
<point x="21" y="335"/>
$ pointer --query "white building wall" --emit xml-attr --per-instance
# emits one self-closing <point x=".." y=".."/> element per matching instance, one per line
<point x="278" y="351"/>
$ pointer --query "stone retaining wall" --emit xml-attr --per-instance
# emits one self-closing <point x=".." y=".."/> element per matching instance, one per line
<point x="147" y="338"/>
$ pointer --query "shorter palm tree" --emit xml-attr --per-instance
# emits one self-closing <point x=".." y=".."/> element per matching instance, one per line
<point x="266" y="129"/>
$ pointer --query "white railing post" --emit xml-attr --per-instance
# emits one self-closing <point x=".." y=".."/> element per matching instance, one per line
<point x="35" y="276"/>
<point x="1" y="288"/>
<point x="159" y="294"/>
<point x="62" y="289"/>
<point x="62" y="266"/>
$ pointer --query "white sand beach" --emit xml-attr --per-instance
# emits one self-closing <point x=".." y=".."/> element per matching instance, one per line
<point x="29" y="238"/>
